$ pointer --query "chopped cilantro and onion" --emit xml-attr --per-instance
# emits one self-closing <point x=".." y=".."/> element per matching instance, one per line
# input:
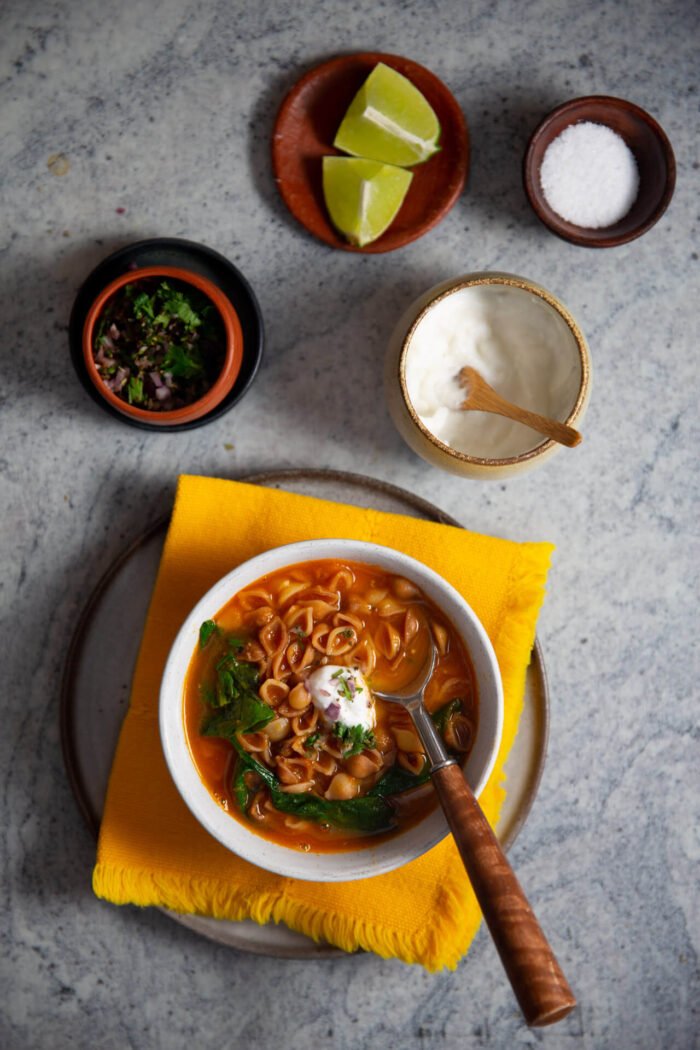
<point x="159" y="345"/>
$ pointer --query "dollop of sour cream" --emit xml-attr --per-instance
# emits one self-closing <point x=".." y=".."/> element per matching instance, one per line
<point x="519" y="344"/>
<point x="341" y="696"/>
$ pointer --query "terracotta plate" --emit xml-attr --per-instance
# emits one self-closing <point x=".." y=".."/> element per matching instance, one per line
<point x="307" y="123"/>
<point x="101" y="658"/>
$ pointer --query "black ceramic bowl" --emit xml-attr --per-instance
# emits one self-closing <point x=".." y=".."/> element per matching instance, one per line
<point x="186" y="255"/>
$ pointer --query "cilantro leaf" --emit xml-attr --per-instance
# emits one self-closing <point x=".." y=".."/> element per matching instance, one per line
<point x="176" y="304"/>
<point x="134" y="390"/>
<point x="143" y="306"/>
<point x="181" y="363"/>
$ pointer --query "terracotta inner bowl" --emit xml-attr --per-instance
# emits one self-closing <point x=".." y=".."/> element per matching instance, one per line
<point x="233" y="356"/>
<point x="652" y="151"/>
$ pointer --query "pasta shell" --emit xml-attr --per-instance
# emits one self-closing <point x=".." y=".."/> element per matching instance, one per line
<point x="412" y="761"/>
<point x="365" y="764"/>
<point x="297" y="789"/>
<point x="273" y="692"/>
<point x="403" y="588"/>
<point x="459" y="733"/>
<point x="274" y="636"/>
<point x="341" y="787"/>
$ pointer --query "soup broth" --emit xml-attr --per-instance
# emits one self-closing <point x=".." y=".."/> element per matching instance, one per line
<point x="280" y="717"/>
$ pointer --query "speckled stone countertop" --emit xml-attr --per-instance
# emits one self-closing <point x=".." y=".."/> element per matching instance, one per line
<point x="138" y="119"/>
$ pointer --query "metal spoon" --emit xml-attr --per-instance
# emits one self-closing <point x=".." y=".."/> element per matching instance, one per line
<point x="534" y="973"/>
<point x="483" y="398"/>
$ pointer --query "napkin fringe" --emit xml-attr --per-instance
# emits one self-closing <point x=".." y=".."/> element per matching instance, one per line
<point x="438" y="946"/>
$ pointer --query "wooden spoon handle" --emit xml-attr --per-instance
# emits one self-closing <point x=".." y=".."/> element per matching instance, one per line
<point x="538" y="982"/>
<point x="490" y="401"/>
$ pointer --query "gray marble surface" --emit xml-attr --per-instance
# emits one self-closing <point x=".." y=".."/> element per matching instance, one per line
<point x="162" y="111"/>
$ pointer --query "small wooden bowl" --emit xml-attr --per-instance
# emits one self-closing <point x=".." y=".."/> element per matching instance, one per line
<point x="233" y="355"/>
<point x="652" y="152"/>
<point x="306" y="125"/>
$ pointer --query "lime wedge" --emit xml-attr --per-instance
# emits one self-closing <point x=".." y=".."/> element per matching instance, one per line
<point x="363" y="196"/>
<point x="389" y="120"/>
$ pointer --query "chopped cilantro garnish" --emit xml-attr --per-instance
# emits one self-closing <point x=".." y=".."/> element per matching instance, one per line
<point x="169" y="340"/>
<point x="311" y="741"/>
<point x="355" y="737"/>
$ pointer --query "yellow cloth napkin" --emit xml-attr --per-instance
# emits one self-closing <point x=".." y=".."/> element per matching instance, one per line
<point x="151" y="849"/>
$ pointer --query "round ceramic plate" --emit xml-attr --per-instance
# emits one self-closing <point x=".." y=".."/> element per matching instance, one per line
<point x="186" y="255"/>
<point x="104" y="649"/>
<point x="306" y="125"/>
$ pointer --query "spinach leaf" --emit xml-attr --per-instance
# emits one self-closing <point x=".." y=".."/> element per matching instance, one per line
<point x="207" y="629"/>
<point x="442" y="716"/>
<point x="243" y="715"/>
<point x="241" y="676"/>
<point x="238" y="708"/>
<point x="246" y="763"/>
<point x="360" y="814"/>
<point x="396" y="780"/>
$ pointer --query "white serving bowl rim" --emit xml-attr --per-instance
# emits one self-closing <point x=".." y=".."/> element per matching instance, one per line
<point x="232" y="833"/>
<point x="509" y="280"/>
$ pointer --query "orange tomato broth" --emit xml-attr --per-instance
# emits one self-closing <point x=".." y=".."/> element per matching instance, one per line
<point x="453" y="676"/>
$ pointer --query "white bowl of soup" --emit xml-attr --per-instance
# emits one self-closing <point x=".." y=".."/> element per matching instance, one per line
<point x="270" y="727"/>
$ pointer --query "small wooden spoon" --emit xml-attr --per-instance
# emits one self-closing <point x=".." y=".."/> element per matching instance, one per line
<point x="482" y="397"/>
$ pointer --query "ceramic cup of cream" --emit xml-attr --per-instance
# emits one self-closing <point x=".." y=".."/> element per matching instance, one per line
<point x="525" y="344"/>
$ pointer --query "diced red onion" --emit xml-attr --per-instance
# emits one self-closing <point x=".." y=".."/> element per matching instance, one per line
<point x="114" y="331"/>
<point x="162" y="393"/>
<point x="155" y="379"/>
<point x="119" y="379"/>
<point x="168" y="378"/>
<point x="333" y="712"/>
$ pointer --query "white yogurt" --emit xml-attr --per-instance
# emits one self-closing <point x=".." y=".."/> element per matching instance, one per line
<point x="342" y="696"/>
<point x="519" y="344"/>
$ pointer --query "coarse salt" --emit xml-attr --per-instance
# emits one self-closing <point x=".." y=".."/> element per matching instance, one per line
<point x="589" y="175"/>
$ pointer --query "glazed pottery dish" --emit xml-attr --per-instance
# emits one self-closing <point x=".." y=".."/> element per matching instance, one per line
<point x="307" y="124"/>
<point x="270" y="726"/>
<point x="599" y="171"/>
<point x="162" y="345"/>
<point x="520" y="338"/>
